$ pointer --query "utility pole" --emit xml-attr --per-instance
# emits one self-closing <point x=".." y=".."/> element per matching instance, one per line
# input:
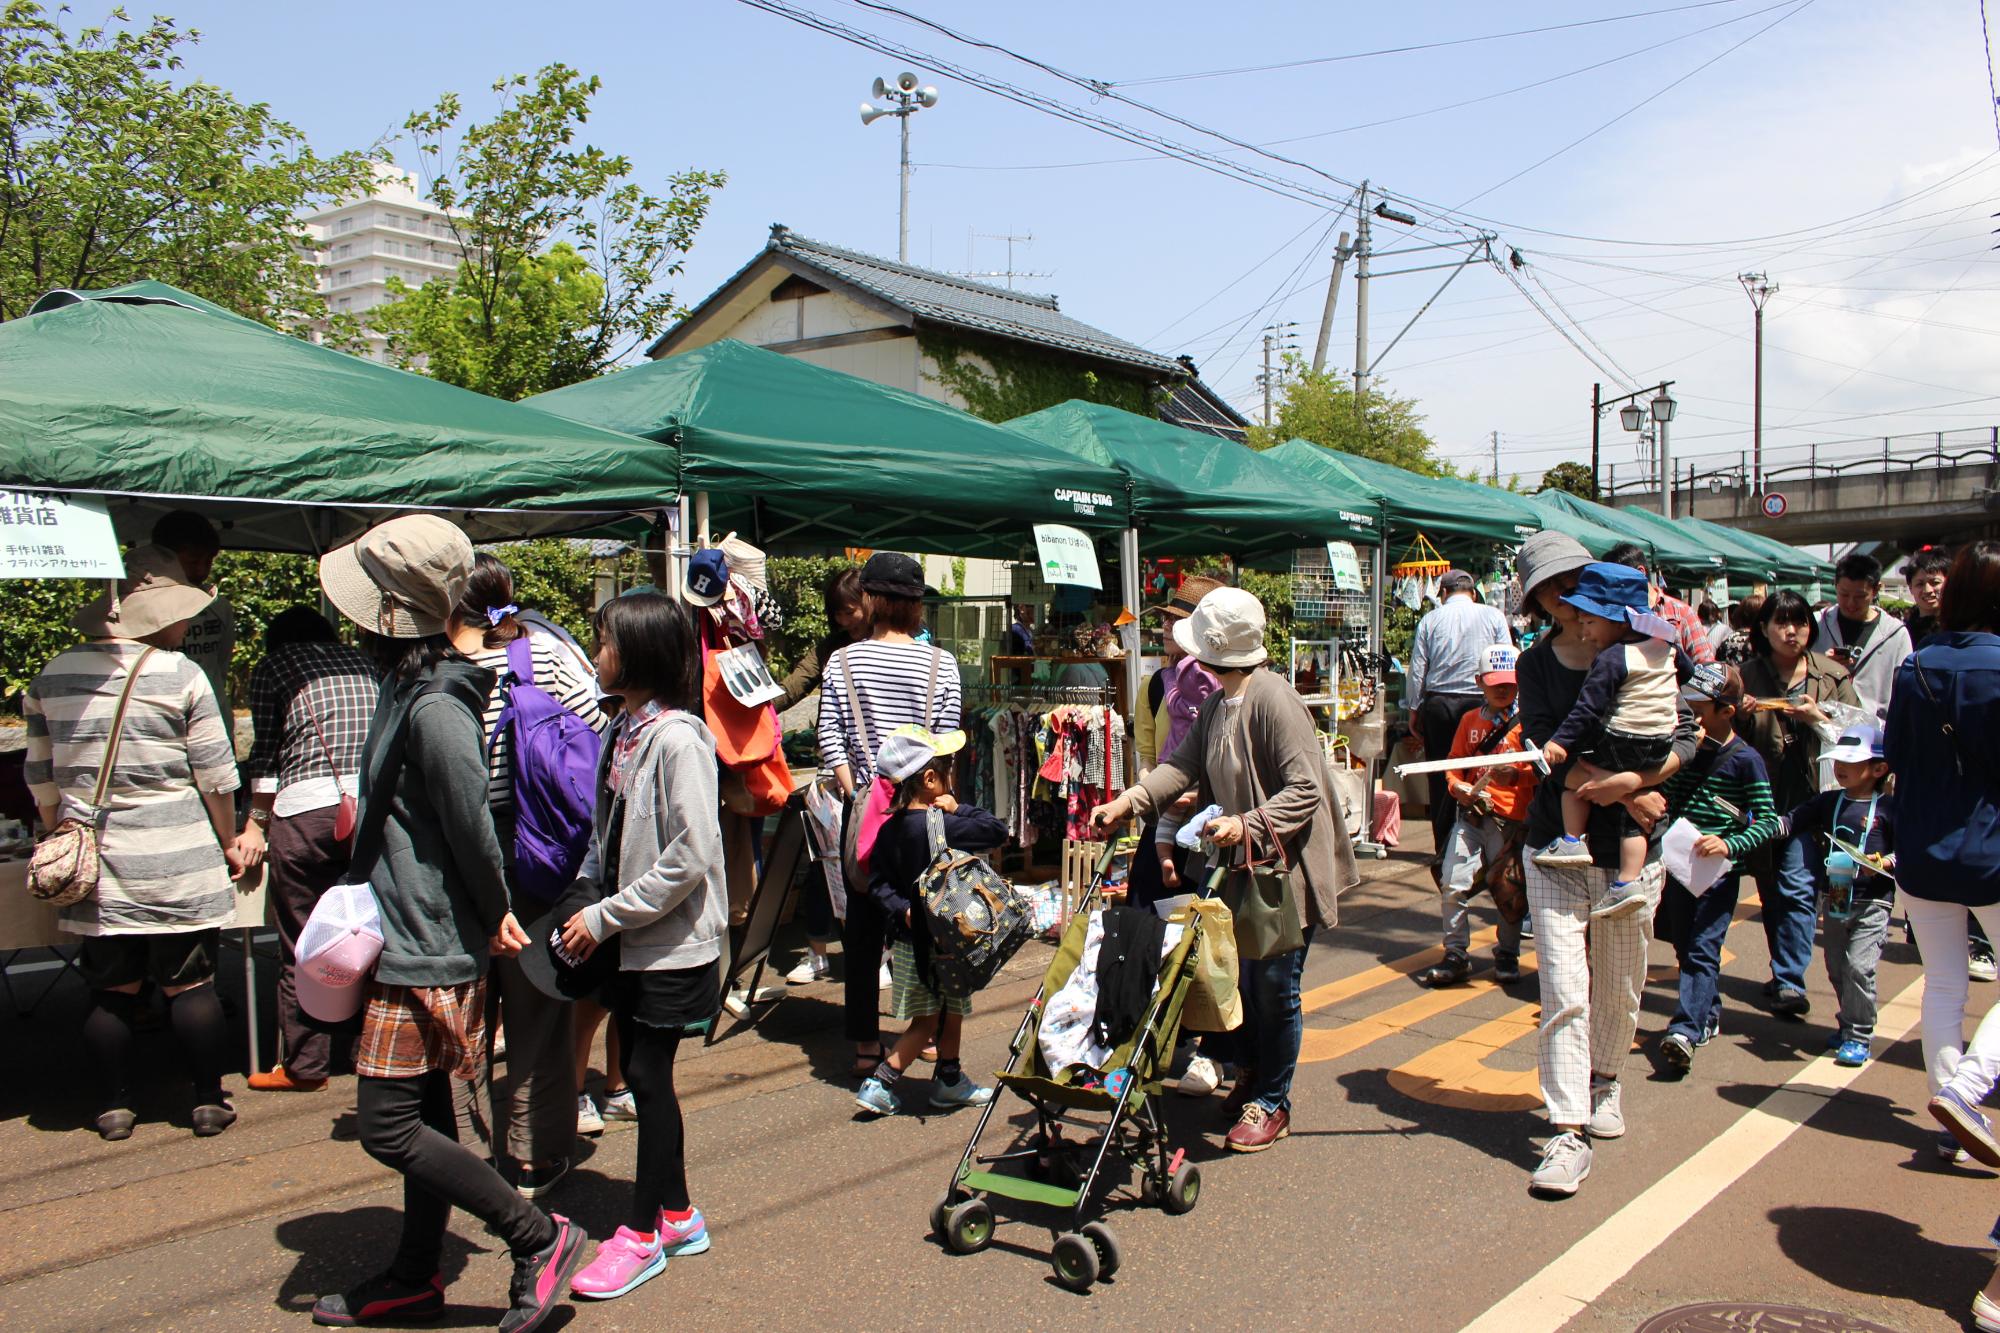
<point x="1760" y="289"/>
<point x="1496" y="458"/>
<point x="1267" y="380"/>
<point x="1596" y="421"/>
<point x="1361" y="301"/>
<point x="906" y="99"/>
<point x="1340" y="253"/>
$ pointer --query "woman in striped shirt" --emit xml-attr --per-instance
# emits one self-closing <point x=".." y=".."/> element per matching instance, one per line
<point x="534" y="1112"/>
<point x="166" y="829"/>
<point x="871" y="688"/>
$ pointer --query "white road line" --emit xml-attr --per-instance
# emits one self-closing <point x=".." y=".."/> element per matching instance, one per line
<point x="1589" y="1268"/>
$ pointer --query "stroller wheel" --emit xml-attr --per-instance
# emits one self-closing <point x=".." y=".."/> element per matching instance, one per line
<point x="1106" y="1244"/>
<point x="1184" y="1190"/>
<point x="968" y="1227"/>
<point x="1075" y="1261"/>
<point x="940" y="1215"/>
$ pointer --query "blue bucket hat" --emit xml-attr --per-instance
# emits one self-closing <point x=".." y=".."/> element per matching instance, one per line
<point x="1615" y="592"/>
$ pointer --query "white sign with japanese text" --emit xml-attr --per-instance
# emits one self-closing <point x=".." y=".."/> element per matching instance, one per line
<point x="44" y="535"/>
<point x="1346" y="566"/>
<point x="1067" y="556"/>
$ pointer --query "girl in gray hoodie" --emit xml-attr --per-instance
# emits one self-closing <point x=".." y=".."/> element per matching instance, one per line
<point x="657" y="853"/>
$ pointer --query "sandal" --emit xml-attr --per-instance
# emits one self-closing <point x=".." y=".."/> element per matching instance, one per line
<point x="864" y="1065"/>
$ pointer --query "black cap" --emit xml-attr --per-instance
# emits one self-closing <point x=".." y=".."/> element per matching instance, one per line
<point x="549" y="969"/>
<point x="893" y="575"/>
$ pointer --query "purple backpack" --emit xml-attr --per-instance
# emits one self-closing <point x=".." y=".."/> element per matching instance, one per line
<point x="553" y="756"/>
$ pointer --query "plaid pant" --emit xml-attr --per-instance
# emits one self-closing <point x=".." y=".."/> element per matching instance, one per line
<point x="1590" y="994"/>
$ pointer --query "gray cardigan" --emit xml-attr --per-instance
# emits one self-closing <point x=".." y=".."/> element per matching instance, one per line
<point x="1286" y="781"/>
<point x="435" y="866"/>
<point x="672" y="900"/>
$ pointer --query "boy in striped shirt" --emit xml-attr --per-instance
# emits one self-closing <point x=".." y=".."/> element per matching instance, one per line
<point x="1726" y="794"/>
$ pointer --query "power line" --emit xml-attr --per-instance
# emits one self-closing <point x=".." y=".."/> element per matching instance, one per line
<point x="1992" y="93"/>
<point x="1420" y="46"/>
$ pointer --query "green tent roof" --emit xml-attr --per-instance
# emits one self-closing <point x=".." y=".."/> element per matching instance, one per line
<point x="159" y="399"/>
<point x="1678" y="552"/>
<point x="793" y="454"/>
<point x="1790" y="563"/>
<point x="1442" y="508"/>
<point x="1194" y="493"/>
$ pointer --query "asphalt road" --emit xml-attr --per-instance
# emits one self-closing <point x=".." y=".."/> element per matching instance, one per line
<point x="1399" y="1201"/>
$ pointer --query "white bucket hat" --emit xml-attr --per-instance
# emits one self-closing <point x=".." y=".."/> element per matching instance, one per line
<point x="1225" y="631"/>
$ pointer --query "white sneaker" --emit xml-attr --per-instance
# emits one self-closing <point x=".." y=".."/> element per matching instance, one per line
<point x="588" y="1122"/>
<point x="813" y="967"/>
<point x="1201" y="1079"/>
<point x="883" y="981"/>
<point x="620" y="1106"/>
<point x="1607" y="1112"/>
<point x="1565" y="1165"/>
<point x="1980" y="966"/>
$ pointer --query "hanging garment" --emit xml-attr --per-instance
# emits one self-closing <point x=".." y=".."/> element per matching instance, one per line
<point x="1128" y="971"/>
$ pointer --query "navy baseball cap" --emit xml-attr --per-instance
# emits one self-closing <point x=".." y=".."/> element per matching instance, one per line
<point x="707" y="576"/>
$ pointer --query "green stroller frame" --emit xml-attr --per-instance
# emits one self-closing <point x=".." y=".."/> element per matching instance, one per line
<point x="1064" y="1173"/>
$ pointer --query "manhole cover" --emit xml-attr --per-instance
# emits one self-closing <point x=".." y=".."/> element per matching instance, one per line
<point x="1740" y="1317"/>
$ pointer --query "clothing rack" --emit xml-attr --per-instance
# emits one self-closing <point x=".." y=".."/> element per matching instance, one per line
<point x="1104" y="695"/>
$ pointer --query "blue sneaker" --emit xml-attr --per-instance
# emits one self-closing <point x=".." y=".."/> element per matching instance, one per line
<point x="876" y="1098"/>
<point x="1853" y="1053"/>
<point x="963" y="1092"/>
<point x="1973" y="1130"/>
<point x="1709" y="1032"/>
<point x="1835" y="1039"/>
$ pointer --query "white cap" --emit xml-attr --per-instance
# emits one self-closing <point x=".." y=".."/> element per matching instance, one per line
<point x="1226" y="631"/>
<point x="337" y="952"/>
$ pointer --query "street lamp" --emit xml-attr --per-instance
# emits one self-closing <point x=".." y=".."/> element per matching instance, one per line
<point x="1663" y="411"/>
<point x="905" y="99"/>
<point x="1631" y="416"/>
<point x="1759" y="287"/>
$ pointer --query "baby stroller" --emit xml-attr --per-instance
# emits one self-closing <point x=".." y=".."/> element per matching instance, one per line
<point x="1063" y="1172"/>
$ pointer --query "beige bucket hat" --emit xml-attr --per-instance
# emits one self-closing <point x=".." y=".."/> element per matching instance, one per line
<point x="1225" y="631"/>
<point x="402" y="578"/>
<point x="153" y="594"/>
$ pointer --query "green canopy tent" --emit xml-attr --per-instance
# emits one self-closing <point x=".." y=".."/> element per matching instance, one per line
<point x="156" y="399"/>
<point x="1677" y="552"/>
<point x="1789" y="564"/>
<point x="795" y="455"/>
<point x="1195" y="493"/>
<point x="1443" y="509"/>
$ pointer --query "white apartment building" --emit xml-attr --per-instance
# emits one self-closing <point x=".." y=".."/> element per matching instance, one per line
<point x="394" y="232"/>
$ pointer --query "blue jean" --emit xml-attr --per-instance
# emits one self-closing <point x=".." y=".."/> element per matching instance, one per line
<point x="1696" y="927"/>
<point x="1790" y="901"/>
<point x="1267" y="1044"/>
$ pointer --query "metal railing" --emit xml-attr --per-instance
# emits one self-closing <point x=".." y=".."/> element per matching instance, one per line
<point x="1820" y="459"/>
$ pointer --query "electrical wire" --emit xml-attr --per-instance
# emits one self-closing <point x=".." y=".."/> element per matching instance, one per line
<point x="1992" y="93"/>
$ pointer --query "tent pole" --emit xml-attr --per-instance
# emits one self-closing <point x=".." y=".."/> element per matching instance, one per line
<point x="1128" y="585"/>
<point x="678" y="546"/>
<point x="701" y="519"/>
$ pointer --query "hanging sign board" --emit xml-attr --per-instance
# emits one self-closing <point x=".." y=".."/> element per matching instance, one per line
<point x="1346" y="566"/>
<point x="44" y="535"/>
<point x="1067" y="556"/>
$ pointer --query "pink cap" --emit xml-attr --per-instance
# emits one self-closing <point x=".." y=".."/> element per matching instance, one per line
<point x="337" y="952"/>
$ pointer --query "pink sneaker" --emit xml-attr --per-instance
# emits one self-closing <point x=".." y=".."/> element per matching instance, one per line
<point x="620" y="1264"/>
<point x="689" y="1237"/>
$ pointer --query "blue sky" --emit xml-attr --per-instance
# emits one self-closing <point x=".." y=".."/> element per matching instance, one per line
<point x="1883" y="325"/>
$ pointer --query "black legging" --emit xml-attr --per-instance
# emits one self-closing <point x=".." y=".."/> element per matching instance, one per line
<point x="199" y="1025"/>
<point x="659" y="1180"/>
<point x="407" y="1124"/>
<point x="861" y="950"/>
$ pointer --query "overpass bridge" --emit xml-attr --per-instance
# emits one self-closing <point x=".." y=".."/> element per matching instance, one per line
<point x="1943" y="486"/>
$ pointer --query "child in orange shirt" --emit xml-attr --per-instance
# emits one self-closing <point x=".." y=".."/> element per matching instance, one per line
<point x="1491" y="803"/>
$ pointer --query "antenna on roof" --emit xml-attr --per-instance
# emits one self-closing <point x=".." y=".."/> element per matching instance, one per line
<point x="1010" y="272"/>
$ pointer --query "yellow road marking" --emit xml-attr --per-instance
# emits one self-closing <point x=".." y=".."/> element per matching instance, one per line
<point x="1456" y="1074"/>
<point x="1589" y="1268"/>
<point x="1383" y="974"/>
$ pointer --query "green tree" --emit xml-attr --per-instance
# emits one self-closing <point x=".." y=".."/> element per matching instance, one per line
<point x="1572" y="477"/>
<point x="516" y="185"/>
<point x="111" y="171"/>
<point x="1321" y="407"/>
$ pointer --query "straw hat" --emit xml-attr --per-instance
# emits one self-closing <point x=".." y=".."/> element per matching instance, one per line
<point x="745" y="561"/>
<point x="402" y="578"/>
<point x="1188" y="596"/>
<point x="153" y="594"/>
<point x="1226" y="631"/>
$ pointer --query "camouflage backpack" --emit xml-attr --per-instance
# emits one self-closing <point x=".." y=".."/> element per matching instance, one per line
<point x="977" y="921"/>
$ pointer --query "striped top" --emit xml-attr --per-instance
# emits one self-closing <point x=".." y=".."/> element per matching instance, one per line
<point x="889" y="678"/>
<point x="1731" y="773"/>
<point x="162" y="870"/>
<point x="557" y="674"/>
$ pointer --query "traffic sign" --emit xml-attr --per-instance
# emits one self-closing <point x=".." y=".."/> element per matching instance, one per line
<point x="1774" y="505"/>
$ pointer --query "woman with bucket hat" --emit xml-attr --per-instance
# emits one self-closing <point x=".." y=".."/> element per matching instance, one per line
<point x="1253" y="752"/>
<point x="124" y="732"/>
<point x="1592" y="972"/>
<point x="425" y="843"/>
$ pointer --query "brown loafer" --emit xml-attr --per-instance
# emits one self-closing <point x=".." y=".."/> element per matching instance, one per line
<point x="278" y="1080"/>
<point x="1259" y="1129"/>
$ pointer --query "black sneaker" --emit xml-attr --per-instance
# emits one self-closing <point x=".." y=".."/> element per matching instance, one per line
<point x="1709" y="1032"/>
<point x="1454" y="968"/>
<point x="1506" y="968"/>
<point x="1790" y="1002"/>
<point x="536" y="1181"/>
<point x="1678" y="1052"/>
<point x="382" y="1300"/>
<point x="541" y="1279"/>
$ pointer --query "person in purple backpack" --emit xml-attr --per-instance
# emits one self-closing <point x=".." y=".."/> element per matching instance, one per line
<point x="533" y="1110"/>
